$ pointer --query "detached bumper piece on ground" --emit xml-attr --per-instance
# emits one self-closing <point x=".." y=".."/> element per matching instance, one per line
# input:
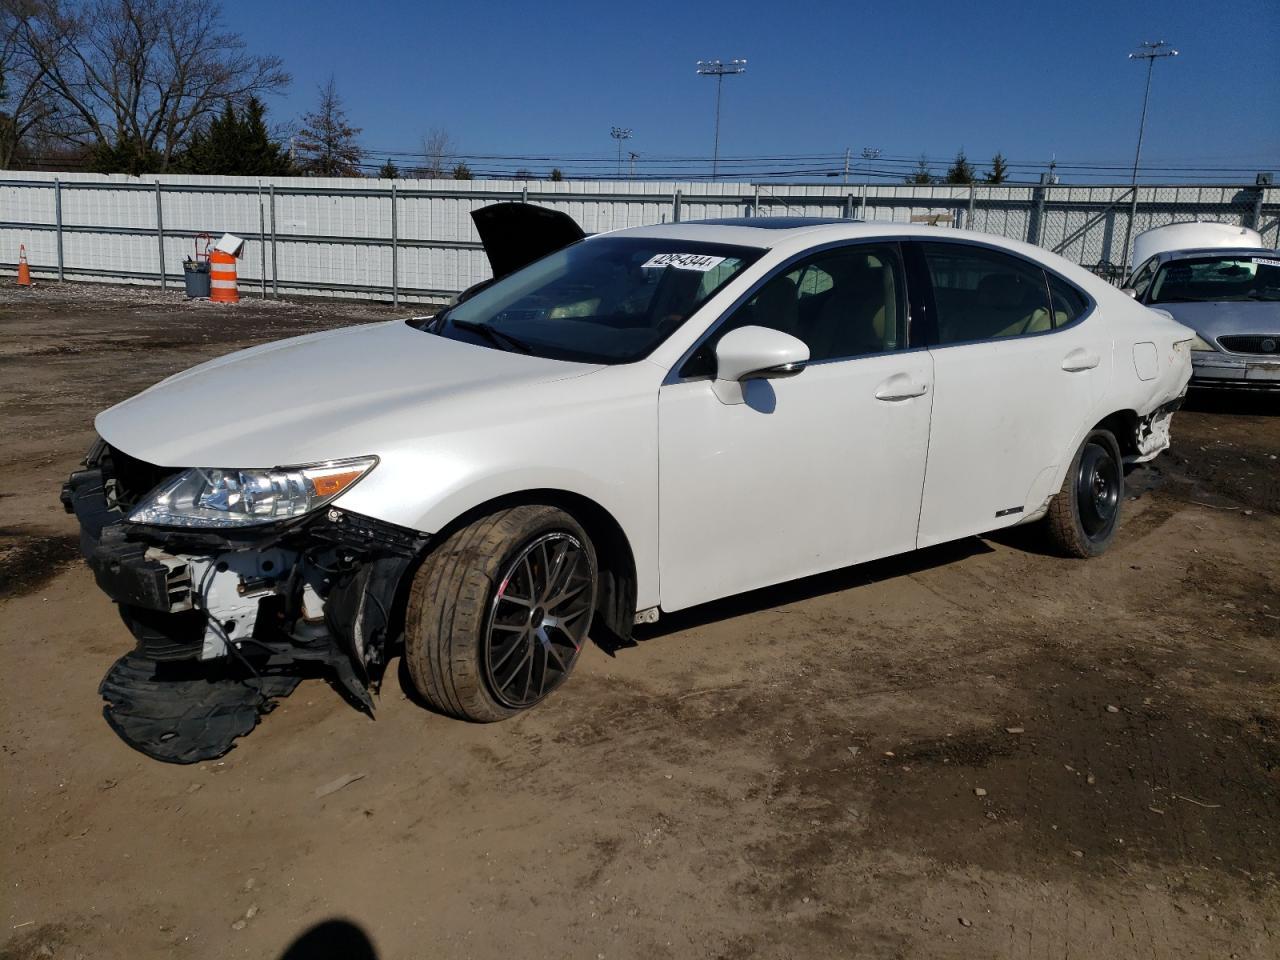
<point x="227" y="622"/>
<point x="184" y="715"/>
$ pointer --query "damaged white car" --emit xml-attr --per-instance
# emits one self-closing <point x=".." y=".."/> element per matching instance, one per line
<point x="614" y="427"/>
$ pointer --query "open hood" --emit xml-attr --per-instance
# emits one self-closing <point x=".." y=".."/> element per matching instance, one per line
<point x="516" y="234"/>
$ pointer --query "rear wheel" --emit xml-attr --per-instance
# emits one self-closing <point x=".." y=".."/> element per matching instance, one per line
<point x="499" y="611"/>
<point x="1083" y="515"/>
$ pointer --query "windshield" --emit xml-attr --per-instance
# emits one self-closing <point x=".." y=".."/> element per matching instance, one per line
<point x="1217" y="278"/>
<point x="607" y="300"/>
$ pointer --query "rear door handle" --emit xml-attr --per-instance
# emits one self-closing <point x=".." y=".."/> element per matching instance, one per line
<point x="901" y="387"/>
<point x="1080" y="359"/>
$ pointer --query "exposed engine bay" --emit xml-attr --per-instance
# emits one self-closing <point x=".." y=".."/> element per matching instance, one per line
<point x="228" y="621"/>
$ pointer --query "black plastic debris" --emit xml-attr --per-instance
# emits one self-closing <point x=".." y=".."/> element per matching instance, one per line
<point x="186" y="712"/>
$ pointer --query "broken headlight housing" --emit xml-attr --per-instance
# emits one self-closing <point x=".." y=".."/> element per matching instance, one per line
<point x="213" y="497"/>
<point x="1200" y="343"/>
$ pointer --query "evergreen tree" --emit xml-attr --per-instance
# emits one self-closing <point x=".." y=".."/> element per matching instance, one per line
<point x="124" y="156"/>
<point x="999" y="172"/>
<point x="961" y="170"/>
<point x="237" y="144"/>
<point x="388" y="171"/>
<point x="462" y="172"/>
<point x="264" y="157"/>
<point x="556" y="175"/>
<point x="327" y="142"/>
<point x="921" y="173"/>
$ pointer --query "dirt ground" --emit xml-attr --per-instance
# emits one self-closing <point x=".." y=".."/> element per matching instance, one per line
<point x="975" y="751"/>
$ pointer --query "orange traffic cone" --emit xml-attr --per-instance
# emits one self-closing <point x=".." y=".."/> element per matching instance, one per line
<point x="24" y="271"/>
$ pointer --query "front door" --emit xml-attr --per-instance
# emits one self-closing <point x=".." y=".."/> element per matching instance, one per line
<point x="813" y="472"/>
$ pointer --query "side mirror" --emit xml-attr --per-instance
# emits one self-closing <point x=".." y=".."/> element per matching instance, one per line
<point x="751" y="353"/>
<point x="1129" y="292"/>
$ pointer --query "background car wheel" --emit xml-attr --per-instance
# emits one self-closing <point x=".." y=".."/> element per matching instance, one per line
<point x="499" y="611"/>
<point x="1083" y="515"/>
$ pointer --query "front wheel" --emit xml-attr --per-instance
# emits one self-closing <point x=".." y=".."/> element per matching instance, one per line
<point x="499" y="612"/>
<point x="1082" y="518"/>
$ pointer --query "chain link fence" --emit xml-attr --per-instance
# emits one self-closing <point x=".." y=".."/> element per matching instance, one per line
<point x="414" y="240"/>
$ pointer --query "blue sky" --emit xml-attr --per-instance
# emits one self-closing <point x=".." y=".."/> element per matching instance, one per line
<point x="1030" y="79"/>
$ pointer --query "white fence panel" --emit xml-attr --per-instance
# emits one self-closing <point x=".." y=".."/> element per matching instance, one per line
<point x="414" y="239"/>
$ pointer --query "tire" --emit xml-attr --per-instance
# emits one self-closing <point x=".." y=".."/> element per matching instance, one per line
<point x="516" y="586"/>
<point x="1084" y="514"/>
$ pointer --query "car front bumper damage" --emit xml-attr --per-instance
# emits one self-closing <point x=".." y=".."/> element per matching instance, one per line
<point x="227" y="621"/>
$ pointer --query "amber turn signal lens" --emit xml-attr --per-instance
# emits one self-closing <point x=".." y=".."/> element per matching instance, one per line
<point x="332" y="484"/>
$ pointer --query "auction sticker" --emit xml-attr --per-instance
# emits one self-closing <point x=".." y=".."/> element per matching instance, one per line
<point x="682" y="261"/>
<point x="1260" y="261"/>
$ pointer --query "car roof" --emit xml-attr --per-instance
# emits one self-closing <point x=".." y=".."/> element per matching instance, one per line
<point x="769" y="232"/>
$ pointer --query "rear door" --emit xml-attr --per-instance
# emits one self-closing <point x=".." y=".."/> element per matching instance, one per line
<point x="813" y="472"/>
<point x="1014" y="379"/>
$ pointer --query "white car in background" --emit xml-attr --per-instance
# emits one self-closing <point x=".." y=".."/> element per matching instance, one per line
<point x="628" y="424"/>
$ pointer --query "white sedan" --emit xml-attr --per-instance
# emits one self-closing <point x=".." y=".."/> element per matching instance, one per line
<point x="631" y="424"/>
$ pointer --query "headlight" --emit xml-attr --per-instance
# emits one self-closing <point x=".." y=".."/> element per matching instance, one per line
<point x="205" y="497"/>
<point x="1199" y="343"/>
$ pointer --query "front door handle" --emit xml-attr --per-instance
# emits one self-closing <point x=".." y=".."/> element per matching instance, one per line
<point x="901" y="387"/>
<point x="1080" y="359"/>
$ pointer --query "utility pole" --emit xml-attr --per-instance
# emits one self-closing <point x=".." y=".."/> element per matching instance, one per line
<point x="1150" y="51"/>
<point x="632" y="154"/>
<point x="846" y="164"/>
<point x="620" y="134"/>
<point x="714" y="68"/>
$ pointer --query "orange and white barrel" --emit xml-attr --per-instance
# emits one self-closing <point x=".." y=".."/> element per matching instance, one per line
<point x="222" y="278"/>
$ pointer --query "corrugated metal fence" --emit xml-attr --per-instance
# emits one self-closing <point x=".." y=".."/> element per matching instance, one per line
<point x="414" y="239"/>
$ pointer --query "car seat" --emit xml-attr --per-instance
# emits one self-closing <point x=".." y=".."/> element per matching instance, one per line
<point x="853" y="319"/>
<point x="1007" y="305"/>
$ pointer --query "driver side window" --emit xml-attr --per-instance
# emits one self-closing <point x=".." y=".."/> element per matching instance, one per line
<point x="843" y="303"/>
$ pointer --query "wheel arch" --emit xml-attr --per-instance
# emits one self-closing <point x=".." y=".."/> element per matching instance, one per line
<point x="1123" y="425"/>
<point x="616" y="599"/>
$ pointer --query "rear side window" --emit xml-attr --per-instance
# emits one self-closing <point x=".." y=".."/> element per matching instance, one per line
<point x="983" y="294"/>
<point x="1069" y="304"/>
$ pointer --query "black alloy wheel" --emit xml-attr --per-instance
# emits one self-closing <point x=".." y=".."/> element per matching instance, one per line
<point x="538" y="619"/>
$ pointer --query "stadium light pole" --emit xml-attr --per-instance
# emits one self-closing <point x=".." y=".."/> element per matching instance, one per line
<point x="1150" y="51"/>
<point x="719" y="70"/>
<point x="869" y="154"/>
<point x="620" y="134"/>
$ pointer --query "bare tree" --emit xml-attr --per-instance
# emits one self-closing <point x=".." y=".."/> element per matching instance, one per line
<point x="327" y="143"/>
<point x="27" y="111"/>
<point x="136" y="77"/>
<point x="437" y="151"/>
